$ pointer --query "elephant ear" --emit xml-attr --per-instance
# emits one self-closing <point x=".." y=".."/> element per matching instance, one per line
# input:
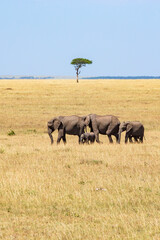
<point x="54" y="123"/>
<point x="87" y="120"/>
<point x="50" y="123"/>
<point x="129" y="127"/>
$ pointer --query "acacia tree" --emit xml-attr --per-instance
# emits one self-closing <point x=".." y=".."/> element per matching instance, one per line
<point x="78" y="63"/>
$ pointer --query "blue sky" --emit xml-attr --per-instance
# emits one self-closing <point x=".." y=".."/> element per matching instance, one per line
<point x="41" y="37"/>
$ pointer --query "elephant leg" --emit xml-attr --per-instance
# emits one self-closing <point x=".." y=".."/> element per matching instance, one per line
<point x="81" y="131"/>
<point x="109" y="133"/>
<point x="117" y="136"/>
<point x="110" y="139"/>
<point x="87" y="140"/>
<point x="80" y="140"/>
<point x="97" y="136"/>
<point x="141" y="139"/>
<point x="58" y="140"/>
<point x="126" y="138"/>
<point x="91" y="141"/>
<point x="130" y="139"/>
<point x="136" y="139"/>
<point x="128" y="135"/>
<point x="60" y="135"/>
<point x="64" y="139"/>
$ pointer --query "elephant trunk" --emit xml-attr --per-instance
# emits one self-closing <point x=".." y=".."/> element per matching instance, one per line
<point x="119" y="136"/>
<point x="50" y="130"/>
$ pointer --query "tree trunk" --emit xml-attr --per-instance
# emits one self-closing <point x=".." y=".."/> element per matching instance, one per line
<point x="77" y="76"/>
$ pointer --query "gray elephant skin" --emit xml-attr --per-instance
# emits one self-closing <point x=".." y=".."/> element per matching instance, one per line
<point x="133" y="130"/>
<point x="72" y="125"/>
<point x="105" y="125"/>
<point x="88" y="137"/>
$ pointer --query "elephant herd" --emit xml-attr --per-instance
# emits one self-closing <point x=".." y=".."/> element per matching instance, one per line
<point x="106" y="125"/>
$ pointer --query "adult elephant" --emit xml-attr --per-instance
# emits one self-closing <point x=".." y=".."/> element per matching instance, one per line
<point x="133" y="129"/>
<point x="72" y="125"/>
<point x="106" y="125"/>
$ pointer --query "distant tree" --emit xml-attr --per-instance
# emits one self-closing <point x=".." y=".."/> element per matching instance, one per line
<point x="78" y="63"/>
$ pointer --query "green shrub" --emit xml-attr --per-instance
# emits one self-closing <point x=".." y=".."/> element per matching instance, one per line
<point x="1" y="150"/>
<point x="11" y="133"/>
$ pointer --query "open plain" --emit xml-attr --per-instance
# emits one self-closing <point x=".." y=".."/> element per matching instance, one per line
<point x="77" y="192"/>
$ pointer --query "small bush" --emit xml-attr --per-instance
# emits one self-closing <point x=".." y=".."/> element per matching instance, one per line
<point x="32" y="131"/>
<point x="11" y="133"/>
<point x="91" y="162"/>
<point x="1" y="150"/>
<point x="82" y="182"/>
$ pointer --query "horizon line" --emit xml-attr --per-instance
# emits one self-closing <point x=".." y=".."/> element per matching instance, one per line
<point x="80" y="77"/>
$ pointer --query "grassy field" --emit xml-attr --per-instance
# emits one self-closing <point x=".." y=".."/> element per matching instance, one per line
<point x="74" y="192"/>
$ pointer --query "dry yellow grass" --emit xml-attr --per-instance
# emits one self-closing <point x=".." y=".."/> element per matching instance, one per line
<point x="49" y="192"/>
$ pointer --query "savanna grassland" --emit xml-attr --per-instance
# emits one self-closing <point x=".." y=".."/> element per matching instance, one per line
<point x="50" y="192"/>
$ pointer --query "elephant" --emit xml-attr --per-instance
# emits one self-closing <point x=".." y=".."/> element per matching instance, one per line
<point x="133" y="130"/>
<point x="106" y="125"/>
<point x="88" y="137"/>
<point x="72" y="125"/>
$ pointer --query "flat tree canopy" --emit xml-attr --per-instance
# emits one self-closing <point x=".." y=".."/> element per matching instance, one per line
<point x="78" y="63"/>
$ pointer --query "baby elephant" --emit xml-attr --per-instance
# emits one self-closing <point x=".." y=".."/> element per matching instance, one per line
<point x="133" y="130"/>
<point x="87" y="137"/>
